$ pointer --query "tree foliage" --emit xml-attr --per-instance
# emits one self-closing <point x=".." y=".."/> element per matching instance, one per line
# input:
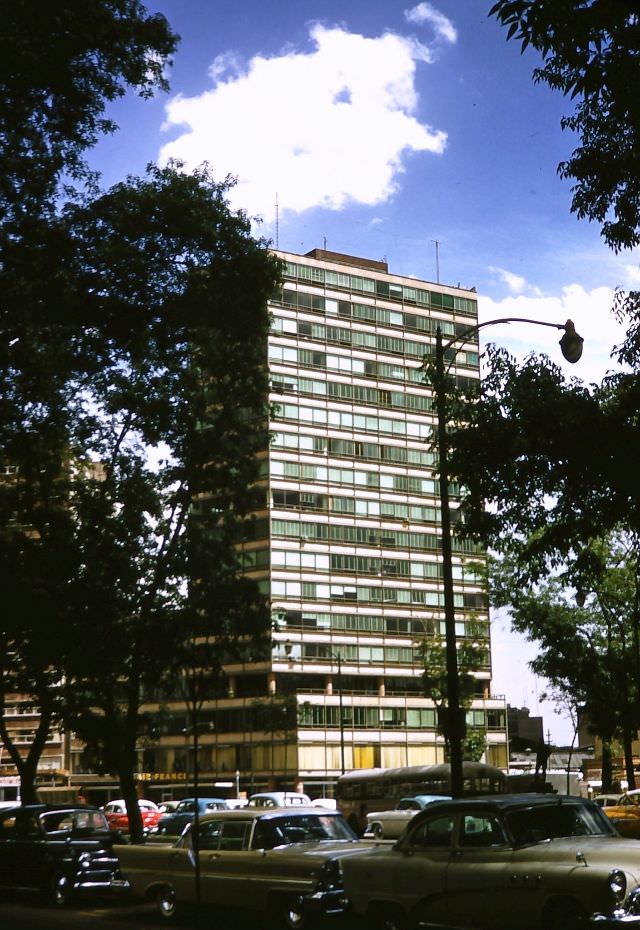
<point x="132" y="403"/>
<point x="591" y="53"/>
<point x="60" y="64"/>
<point x="551" y="489"/>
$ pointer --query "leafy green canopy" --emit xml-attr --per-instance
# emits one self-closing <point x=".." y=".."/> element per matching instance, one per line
<point x="60" y="63"/>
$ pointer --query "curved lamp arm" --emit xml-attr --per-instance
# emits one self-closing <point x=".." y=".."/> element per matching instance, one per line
<point x="570" y="344"/>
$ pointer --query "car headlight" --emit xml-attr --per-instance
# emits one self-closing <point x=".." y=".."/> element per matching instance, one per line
<point x="617" y="883"/>
<point x="330" y="877"/>
<point x="84" y="860"/>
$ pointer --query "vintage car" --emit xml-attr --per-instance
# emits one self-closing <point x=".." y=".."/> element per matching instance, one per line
<point x="623" y="811"/>
<point x="118" y="819"/>
<point x="532" y="862"/>
<point x="279" y="799"/>
<point x="174" y="822"/>
<point x="282" y="862"/>
<point x="389" y="825"/>
<point x="58" y="852"/>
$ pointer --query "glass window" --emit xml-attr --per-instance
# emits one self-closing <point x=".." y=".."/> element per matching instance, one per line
<point x="433" y="833"/>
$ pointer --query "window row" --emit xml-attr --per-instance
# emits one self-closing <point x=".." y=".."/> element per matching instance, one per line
<point x="355" y="393"/>
<point x="304" y="500"/>
<point x="384" y="623"/>
<point x="342" y="419"/>
<point x="352" y="449"/>
<point x="386" y="289"/>
<point x="313" y="591"/>
<point x="375" y="342"/>
<point x="410" y="484"/>
<point x="322" y="716"/>
<point x="362" y="565"/>
<point x="347" y="364"/>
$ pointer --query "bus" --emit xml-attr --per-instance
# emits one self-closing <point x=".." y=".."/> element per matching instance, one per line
<point x="365" y="790"/>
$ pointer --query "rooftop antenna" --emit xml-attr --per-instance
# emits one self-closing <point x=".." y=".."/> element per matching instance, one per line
<point x="437" y="245"/>
<point x="277" y="222"/>
<point x="324" y="243"/>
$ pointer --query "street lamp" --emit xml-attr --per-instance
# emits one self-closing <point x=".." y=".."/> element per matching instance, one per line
<point x="453" y="718"/>
<point x="338" y="659"/>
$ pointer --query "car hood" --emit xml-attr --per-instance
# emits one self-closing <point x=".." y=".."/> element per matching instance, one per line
<point x="617" y="852"/>
<point x="322" y="848"/>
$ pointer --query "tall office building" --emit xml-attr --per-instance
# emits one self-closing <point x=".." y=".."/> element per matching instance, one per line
<point x="349" y="547"/>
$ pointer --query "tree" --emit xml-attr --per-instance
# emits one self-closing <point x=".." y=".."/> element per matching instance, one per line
<point x="560" y="510"/>
<point x="59" y="66"/>
<point x="472" y="655"/>
<point x="162" y="260"/>
<point x="537" y="485"/>
<point x="590" y="51"/>
<point x="588" y="651"/>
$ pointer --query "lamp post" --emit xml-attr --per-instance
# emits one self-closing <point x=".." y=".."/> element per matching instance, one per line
<point x="453" y="720"/>
<point x="338" y="659"/>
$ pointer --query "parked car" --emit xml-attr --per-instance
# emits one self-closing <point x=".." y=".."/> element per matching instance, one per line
<point x="389" y="825"/>
<point x="280" y="862"/>
<point x="166" y="807"/>
<point x="58" y="852"/>
<point x="623" y="810"/>
<point x="278" y="799"/>
<point x="172" y="824"/>
<point x="118" y="819"/>
<point x="535" y="862"/>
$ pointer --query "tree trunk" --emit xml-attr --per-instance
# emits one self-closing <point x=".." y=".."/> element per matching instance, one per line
<point x="628" y="760"/>
<point x="607" y="770"/>
<point x="128" y="787"/>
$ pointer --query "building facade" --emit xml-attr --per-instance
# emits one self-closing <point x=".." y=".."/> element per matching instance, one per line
<point x="348" y="547"/>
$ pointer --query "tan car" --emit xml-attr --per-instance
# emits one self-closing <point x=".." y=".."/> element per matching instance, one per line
<point x="285" y="862"/>
<point x="531" y="862"/>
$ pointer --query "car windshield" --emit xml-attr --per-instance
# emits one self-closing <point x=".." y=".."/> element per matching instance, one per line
<point x="300" y="828"/>
<point x="74" y="821"/>
<point x="532" y="825"/>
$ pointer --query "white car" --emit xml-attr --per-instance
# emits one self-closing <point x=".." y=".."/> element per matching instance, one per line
<point x="279" y="799"/>
<point x="389" y="825"/>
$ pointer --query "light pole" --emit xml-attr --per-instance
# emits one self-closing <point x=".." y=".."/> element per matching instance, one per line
<point x="453" y="721"/>
<point x="338" y="659"/>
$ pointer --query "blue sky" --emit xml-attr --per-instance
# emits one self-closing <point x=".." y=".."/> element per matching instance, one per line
<point x="381" y="129"/>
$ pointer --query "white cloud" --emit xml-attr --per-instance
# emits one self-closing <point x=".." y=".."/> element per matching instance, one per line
<point x="515" y="282"/>
<point x="325" y="128"/>
<point x="426" y="13"/>
<point x="590" y="312"/>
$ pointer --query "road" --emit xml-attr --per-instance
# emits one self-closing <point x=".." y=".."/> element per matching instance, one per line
<point x="21" y="913"/>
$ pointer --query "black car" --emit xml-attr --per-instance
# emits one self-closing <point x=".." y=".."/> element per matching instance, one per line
<point x="58" y="851"/>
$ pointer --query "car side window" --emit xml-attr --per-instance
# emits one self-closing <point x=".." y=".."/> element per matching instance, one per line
<point x="209" y="835"/>
<point x="432" y="833"/>
<point x="234" y="834"/>
<point x="481" y="831"/>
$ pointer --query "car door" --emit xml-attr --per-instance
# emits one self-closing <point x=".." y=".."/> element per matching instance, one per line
<point x="225" y="862"/>
<point x="478" y="893"/>
<point x="418" y="869"/>
<point x="8" y="836"/>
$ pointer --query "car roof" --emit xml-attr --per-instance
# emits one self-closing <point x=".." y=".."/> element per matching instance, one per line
<point x="54" y="808"/>
<point x="268" y="813"/>
<point x="503" y="802"/>
<point x="206" y="800"/>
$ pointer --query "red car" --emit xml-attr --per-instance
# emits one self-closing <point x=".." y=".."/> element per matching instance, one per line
<point x="116" y="814"/>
